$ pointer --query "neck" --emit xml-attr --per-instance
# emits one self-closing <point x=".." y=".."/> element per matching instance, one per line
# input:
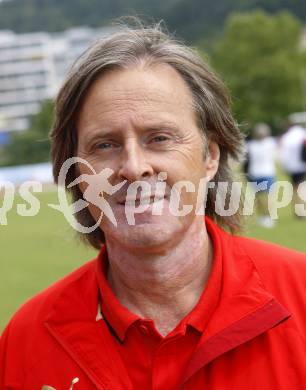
<point x="163" y="287"/>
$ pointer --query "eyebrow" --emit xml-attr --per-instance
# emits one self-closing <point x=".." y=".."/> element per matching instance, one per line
<point x="163" y="126"/>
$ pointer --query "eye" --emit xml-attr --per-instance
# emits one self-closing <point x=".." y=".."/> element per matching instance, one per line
<point x="105" y="145"/>
<point x="159" y="138"/>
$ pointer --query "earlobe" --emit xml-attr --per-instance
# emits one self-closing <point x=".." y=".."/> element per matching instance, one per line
<point x="212" y="160"/>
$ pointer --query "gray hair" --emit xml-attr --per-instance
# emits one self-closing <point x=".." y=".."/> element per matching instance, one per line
<point x="126" y="48"/>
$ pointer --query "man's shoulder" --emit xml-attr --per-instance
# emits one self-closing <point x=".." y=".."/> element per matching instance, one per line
<point x="29" y="335"/>
<point x="40" y="306"/>
<point x="274" y="262"/>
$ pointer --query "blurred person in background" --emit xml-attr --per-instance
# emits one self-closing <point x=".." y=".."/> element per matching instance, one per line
<point x="173" y="301"/>
<point x="261" y="169"/>
<point x="291" y="153"/>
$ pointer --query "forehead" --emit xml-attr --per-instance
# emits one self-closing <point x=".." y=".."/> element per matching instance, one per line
<point x="143" y="92"/>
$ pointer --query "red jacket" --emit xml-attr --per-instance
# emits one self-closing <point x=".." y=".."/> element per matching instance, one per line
<point x="254" y="340"/>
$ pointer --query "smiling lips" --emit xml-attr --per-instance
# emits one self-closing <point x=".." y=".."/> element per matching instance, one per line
<point x="144" y="200"/>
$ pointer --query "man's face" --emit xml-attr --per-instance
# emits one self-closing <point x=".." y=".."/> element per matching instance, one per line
<point x="140" y="122"/>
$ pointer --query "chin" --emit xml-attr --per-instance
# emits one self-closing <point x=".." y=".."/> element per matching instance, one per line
<point x="145" y="233"/>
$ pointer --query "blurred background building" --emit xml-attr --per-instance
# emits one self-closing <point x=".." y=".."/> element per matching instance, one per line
<point x="32" y="68"/>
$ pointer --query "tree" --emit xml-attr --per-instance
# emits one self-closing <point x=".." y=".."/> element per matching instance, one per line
<point x="261" y="61"/>
<point x="191" y="19"/>
<point x="31" y="146"/>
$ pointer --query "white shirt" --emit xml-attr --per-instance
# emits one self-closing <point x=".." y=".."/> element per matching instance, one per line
<point x="262" y="156"/>
<point x="291" y="149"/>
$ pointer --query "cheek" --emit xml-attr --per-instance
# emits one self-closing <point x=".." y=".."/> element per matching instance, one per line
<point x="193" y="170"/>
<point x="94" y="211"/>
<point x="191" y="158"/>
<point x="93" y="165"/>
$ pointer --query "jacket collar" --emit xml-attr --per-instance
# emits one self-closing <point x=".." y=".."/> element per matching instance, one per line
<point x="244" y="310"/>
<point x="119" y="318"/>
<point x="81" y="331"/>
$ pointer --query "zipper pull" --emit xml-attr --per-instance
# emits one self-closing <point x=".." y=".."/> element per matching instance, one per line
<point x="75" y="380"/>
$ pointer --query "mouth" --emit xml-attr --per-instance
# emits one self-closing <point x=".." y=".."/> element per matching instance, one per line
<point x="135" y="202"/>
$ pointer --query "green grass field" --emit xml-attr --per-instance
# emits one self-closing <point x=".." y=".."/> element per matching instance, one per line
<point x="36" y="251"/>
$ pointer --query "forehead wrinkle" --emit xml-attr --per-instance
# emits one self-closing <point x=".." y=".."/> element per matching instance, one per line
<point x="104" y="109"/>
<point x="143" y="127"/>
<point x="130" y="120"/>
<point x="147" y="92"/>
<point x="109" y="103"/>
<point x="131" y="100"/>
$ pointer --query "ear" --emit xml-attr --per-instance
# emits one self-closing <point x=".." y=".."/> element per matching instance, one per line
<point x="212" y="159"/>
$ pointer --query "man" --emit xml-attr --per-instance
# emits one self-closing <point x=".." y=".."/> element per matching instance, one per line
<point x="291" y="153"/>
<point x="172" y="301"/>
<point x="262" y="152"/>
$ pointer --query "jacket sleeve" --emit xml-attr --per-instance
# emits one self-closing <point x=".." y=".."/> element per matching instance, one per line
<point x="11" y="370"/>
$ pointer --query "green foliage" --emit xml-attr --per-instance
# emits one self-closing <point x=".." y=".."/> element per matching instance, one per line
<point x="190" y="19"/>
<point x="260" y="59"/>
<point x="55" y="15"/>
<point x="31" y="146"/>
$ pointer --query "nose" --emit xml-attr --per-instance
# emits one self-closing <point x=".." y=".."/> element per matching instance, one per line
<point x="134" y="164"/>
